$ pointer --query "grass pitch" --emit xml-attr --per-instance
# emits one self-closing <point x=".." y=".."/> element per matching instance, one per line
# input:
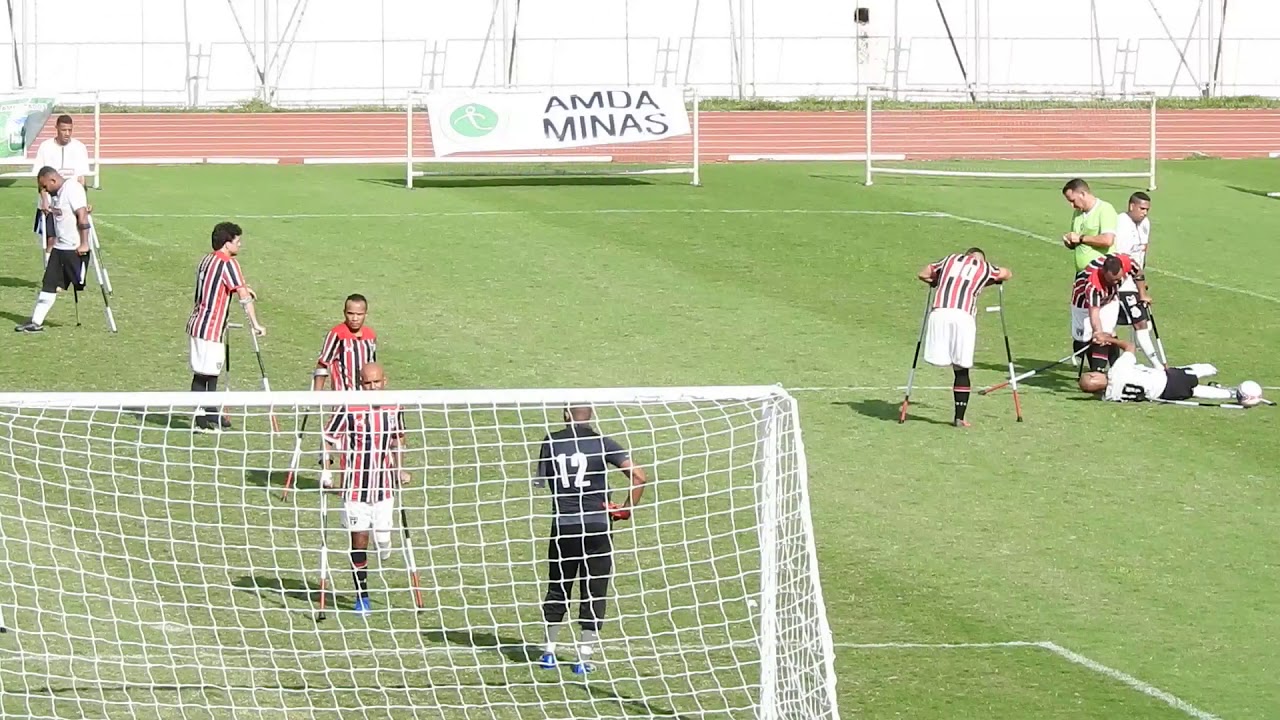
<point x="1142" y="537"/>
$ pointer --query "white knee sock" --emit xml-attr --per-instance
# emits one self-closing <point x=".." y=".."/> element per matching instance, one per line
<point x="1143" y="337"/>
<point x="44" y="303"/>
<point x="382" y="538"/>
<point x="1207" y="392"/>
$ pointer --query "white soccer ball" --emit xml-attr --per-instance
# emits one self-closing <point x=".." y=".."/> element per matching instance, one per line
<point x="1250" y="393"/>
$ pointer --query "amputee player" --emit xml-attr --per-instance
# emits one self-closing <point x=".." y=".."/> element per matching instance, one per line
<point x="1094" y="305"/>
<point x="218" y="277"/>
<point x="371" y="440"/>
<point x="70" y="158"/>
<point x="574" y="461"/>
<point x="952" y="330"/>
<point x="1129" y="381"/>
<point x="68" y="245"/>
<point x="347" y="347"/>
<point x="1133" y="236"/>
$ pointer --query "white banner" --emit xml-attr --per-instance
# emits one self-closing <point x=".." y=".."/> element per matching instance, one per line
<point x="481" y="121"/>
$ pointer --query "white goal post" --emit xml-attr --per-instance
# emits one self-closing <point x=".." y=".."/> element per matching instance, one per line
<point x="677" y="155"/>
<point x="76" y="104"/>
<point x="1009" y="134"/>
<point x="148" y="572"/>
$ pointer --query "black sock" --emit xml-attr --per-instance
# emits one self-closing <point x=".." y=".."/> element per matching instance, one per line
<point x="1113" y="354"/>
<point x="360" y="571"/>
<point x="197" y="383"/>
<point x="961" y="392"/>
<point x="1098" y="358"/>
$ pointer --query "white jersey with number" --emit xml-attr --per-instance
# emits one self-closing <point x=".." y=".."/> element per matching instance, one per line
<point x="70" y="198"/>
<point x="1132" y="239"/>
<point x="1128" y="381"/>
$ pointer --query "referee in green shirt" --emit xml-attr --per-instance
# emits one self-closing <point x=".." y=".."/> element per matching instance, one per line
<point x="1093" y="232"/>
<point x="1093" y="224"/>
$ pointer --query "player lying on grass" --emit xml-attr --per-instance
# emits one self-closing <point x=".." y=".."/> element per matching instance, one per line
<point x="371" y="439"/>
<point x="951" y="328"/>
<point x="574" y="461"/>
<point x="1128" y="381"/>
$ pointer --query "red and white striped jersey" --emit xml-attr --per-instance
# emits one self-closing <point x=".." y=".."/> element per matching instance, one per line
<point x="345" y="352"/>
<point x="958" y="279"/>
<point x="1090" y="291"/>
<point x="367" y="437"/>
<point x="217" y="277"/>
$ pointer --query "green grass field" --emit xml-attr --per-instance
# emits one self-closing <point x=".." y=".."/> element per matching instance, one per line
<point x="1143" y="538"/>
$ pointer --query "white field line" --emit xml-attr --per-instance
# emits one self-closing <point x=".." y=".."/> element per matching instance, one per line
<point x="222" y="656"/>
<point x="934" y="388"/>
<point x="126" y="232"/>
<point x="681" y="211"/>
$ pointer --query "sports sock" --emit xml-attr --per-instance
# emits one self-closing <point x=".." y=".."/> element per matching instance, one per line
<point x="360" y="571"/>
<point x="1209" y="392"/>
<point x="197" y="383"/>
<point x="1113" y="354"/>
<point x="1097" y="358"/>
<point x="960" y="392"/>
<point x="587" y="645"/>
<point x="1143" y="337"/>
<point x="382" y="539"/>
<point x="553" y="631"/>
<point x="44" y="303"/>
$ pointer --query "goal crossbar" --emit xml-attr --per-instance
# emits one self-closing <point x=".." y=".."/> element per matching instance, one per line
<point x="1028" y="106"/>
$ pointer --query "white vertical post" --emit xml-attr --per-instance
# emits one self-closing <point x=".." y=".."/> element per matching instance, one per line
<point x="867" y="161"/>
<point x="97" y="140"/>
<point x="408" y="151"/>
<point x="1152" y="130"/>
<point x="768" y="479"/>
<point x="697" y="141"/>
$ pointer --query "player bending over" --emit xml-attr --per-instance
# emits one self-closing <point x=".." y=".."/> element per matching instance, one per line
<point x="1128" y="381"/>
<point x="951" y="329"/>
<point x="67" y="245"/>
<point x="573" y="461"/>
<point x="1095" y="308"/>
<point x="371" y="439"/>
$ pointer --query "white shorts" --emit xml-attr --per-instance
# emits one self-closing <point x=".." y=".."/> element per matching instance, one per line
<point x="361" y="516"/>
<point x="1081" y="327"/>
<point x="207" y="357"/>
<point x="949" y="338"/>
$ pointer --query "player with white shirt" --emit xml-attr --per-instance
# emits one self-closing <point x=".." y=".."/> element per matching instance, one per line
<point x="1129" y="381"/>
<point x="1133" y="236"/>
<point x="70" y="158"/>
<point x="68" y="247"/>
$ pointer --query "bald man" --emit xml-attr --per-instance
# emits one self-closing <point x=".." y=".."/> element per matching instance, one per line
<point x="574" y="461"/>
<point x="371" y="440"/>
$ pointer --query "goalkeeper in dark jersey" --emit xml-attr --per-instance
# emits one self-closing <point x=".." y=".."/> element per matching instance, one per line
<point x="574" y="462"/>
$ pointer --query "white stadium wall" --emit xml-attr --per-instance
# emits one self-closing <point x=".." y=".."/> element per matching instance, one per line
<point x="331" y="52"/>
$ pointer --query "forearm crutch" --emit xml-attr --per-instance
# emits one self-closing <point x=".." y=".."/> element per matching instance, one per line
<point x="1008" y="353"/>
<point x="409" y="563"/>
<point x="906" y="399"/>
<point x="262" y="370"/>
<point x="324" y="552"/>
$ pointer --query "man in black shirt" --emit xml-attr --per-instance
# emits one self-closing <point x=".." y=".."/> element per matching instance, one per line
<point x="574" y="462"/>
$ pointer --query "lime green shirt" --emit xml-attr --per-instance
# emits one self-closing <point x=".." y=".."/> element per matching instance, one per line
<point x="1101" y="218"/>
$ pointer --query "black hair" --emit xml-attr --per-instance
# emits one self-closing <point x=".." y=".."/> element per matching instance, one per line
<point x="45" y="172"/>
<point x="1139" y="197"/>
<point x="63" y="119"/>
<point x="223" y="233"/>
<point x="355" y="297"/>
<point x="1075" y="184"/>
<point x="1112" y="264"/>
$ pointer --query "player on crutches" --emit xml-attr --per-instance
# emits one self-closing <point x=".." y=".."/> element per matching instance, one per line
<point x="950" y="330"/>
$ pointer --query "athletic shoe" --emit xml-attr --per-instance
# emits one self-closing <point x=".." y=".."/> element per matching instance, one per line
<point x="582" y="668"/>
<point x="225" y="422"/>
<point x="363" y="606"/>
<point x="961" y="423"/>
<point x="28" y="327"/>
<point x="203" y="424"/>
<point x="547" y="661"/>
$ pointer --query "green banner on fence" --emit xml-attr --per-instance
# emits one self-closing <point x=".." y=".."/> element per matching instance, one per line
<point x="22" y="119"/>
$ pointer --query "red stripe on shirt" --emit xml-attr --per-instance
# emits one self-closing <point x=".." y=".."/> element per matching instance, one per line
<point x="959" y="279"/>
<point x="367" y="437"/>
<point x="218" y="276"/>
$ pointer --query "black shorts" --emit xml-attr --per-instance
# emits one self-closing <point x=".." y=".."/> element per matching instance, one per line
<point x="1178" y="384"/>
<point x="66" y="269"/>
<point x="1132" y="311"/>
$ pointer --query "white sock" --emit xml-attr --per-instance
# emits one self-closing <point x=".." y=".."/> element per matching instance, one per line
<point x="1208" y="392"/>
<point x="1143" y="337"/>
<point x="586" y="647"/>
<point x="44" y="303"/>
<point x="553" y="629"/>
<point x="382" y="539"/>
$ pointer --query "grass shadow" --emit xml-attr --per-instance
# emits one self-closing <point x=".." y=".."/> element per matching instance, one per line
<point x="279" y="589"/>
<point x="17" y="319"/>
<point x="885" y="410"/>
<point x="14" y="282"/>
<point x="488" y="182"/>
<point x="1059" y="377"/>
<point x="181" y="421"/>
<point x="514" y="650"/>
<point x="1259" y="193"/>
<point x="276" y="479"/>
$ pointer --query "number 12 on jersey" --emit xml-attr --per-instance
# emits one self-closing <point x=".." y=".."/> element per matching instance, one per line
<point x="572" y="470"/>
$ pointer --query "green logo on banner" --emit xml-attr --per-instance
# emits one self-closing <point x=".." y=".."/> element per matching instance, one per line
<point x="473" y="120"/>
<point x="21" y="120"/>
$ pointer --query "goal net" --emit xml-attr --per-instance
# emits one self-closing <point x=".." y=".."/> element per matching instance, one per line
<point x="149" y="572"/>
<point x="555" y="130"/>
<point x="1021" y="135"/>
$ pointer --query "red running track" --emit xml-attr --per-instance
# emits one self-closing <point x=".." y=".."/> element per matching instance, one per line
<point x="919" y="134"/>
